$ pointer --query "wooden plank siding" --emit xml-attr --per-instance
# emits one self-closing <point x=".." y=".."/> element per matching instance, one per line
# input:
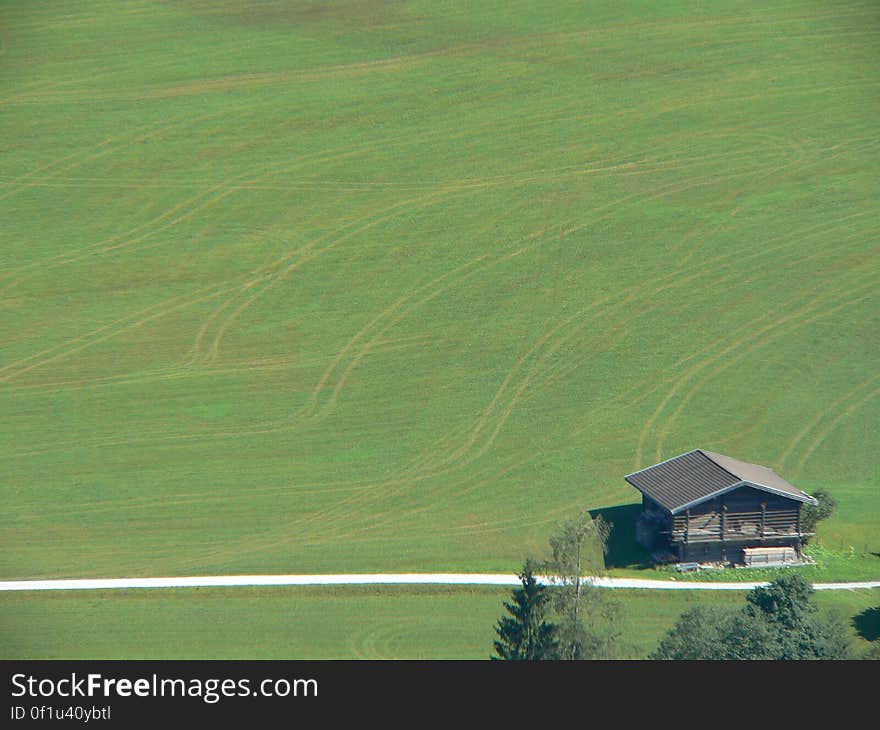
<point x="745" y="514"/>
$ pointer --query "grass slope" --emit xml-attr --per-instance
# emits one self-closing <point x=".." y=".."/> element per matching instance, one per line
<point x="395" y="286"/>
<point x="328" y="623"/>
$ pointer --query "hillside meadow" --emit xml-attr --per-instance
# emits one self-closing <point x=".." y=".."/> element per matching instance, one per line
<point x="344" y="622"/>
<point x="397" y="286"/>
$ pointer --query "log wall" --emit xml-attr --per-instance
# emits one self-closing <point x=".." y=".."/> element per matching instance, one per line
<point x="741" y="515"/>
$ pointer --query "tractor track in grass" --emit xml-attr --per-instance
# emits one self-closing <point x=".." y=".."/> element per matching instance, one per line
<point x="563" y="233"/>
<point x="490" y="579"/>
<point x="744" y="346"/>
<point x="272" y="273"/>
<point x="817" y="419"/>
<point x="849" y="410"/>
<point x="682" y="379"/>
<point x="392" y="316"/>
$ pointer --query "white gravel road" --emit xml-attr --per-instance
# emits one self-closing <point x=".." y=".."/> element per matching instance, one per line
<point x="495" y="579"/>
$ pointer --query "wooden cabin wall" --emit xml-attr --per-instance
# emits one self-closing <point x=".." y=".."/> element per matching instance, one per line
<point x="749" y="513"/>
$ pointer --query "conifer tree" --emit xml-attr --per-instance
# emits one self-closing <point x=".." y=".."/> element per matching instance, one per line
<point x="525" y="635"/>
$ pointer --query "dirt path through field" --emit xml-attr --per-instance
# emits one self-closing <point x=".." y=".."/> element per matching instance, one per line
<point x="494" y="579"/>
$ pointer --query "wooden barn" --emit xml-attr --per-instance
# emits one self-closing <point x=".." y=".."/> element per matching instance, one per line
<point x="702" y="507"/>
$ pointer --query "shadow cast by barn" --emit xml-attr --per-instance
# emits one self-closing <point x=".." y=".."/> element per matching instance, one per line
<point x="623" y="550"/>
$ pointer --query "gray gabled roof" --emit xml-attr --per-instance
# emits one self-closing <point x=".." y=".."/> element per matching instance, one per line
<point x="698" y="475"/>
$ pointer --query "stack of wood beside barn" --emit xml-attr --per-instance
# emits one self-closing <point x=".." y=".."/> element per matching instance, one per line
<point x="704" y="507"/>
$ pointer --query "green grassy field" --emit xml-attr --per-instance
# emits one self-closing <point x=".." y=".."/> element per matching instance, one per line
<point x="383" y="286"/>
<point x="352" y="622"/>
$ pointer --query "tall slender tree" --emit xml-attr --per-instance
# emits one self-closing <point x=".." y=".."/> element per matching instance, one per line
<point x="586" y="617"/>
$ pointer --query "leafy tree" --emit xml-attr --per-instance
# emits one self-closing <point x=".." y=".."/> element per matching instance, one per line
<point x="811" y="514"/>
<point x="709" y="632"/>
<point x="779" y="621"/>
<point x="873" y="651"/>
<point x="697" y="634"/>
<point x="602" y="625"/>
<point x="586" y="618"/>
<point x="795" y="629"/>
<point x="787" y="601"/>
<point x="525" y="635"/>
<point x="746" y="637"/>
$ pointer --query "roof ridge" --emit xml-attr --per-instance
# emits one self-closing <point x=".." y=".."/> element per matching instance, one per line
<point x="733" y="458"/>
<point x="660" y="463"/>
<point x="721" y="466"/>
<point x="709" y="455"/>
